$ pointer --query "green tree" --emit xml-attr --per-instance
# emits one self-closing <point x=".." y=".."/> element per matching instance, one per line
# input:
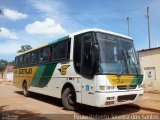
<point x="24" y="48"/>
<point x="3" y="64"/>
<point x="11" y="63"/>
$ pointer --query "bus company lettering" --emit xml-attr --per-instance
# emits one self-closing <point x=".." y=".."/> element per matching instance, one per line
<point x="25" y="71"/>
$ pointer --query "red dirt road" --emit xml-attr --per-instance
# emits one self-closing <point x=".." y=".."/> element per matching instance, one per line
<point x="14" y="105"/>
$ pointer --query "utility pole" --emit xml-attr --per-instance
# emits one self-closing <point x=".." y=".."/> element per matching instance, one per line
<point x="0" y="13"/>
<point x="128" y="26"/>
<point x="148" y="20"/>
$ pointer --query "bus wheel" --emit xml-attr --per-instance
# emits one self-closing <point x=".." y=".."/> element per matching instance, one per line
<point x="69" y="99"/>
<point x="25" y="91"/>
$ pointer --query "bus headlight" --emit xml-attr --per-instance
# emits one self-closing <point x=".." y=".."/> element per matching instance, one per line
<point x="102" y="87"/>
<point x="106" y="87"/>
<point x="110" y="87"/>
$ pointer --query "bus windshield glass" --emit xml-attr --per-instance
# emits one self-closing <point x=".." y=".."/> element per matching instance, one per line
<point x="117" y="55"/>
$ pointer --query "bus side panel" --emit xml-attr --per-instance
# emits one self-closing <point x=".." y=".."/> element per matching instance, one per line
<point x="23" y="74"/>
<point x="61" y="74"/>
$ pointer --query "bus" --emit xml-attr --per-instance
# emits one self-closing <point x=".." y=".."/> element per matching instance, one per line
<point x="92" y="67"/>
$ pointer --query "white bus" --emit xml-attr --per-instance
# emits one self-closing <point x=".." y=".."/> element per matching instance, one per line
<point x="92" y="67"/>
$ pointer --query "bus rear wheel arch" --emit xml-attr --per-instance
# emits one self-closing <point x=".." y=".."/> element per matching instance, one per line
<point x="25" y="89"/>
<point x="69" y="98"/>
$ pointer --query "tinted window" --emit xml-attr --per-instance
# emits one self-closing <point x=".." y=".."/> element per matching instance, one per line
<point x="34" y="57"/>
<point x="20" y="61"/>
<point x="61" y="50"/>
<point x="16" y="62"/>
<point x="78" y="49"/>
<point x="27" y="59"/>
<point x="77" y="53"/>
<point x="55" y="52"/>
<point x="45" y="54"/>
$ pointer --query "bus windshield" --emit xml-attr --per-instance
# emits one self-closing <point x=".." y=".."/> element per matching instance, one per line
<point x="117" y="55"/>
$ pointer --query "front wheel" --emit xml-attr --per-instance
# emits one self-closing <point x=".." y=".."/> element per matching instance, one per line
<point x="69" y="99"/>
<point x="25" y="89"/>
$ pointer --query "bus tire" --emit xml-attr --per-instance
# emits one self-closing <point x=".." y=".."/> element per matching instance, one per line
<point x="69" y="99"/>
<point x="25" y="89"/>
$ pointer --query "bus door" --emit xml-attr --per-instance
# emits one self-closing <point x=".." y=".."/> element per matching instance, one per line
<point x="83" y="66"/>
<point x="86" y="71"/>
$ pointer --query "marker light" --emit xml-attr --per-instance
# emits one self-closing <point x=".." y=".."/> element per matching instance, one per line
<point x="109" y="98"/>
<point x="102" y="87"/>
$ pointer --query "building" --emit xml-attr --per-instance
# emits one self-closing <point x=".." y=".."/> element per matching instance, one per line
<point x="150" y="65"/>
<point x="1" y="75"/>
<point x="7" y="73"/>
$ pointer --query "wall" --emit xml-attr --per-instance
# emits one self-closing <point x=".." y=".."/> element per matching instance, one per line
<point x="9" y="76"/>
<point x="150" y="65"/>
<point x="1" y="75"/>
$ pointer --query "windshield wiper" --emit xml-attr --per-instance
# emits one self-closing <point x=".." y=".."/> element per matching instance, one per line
<point x="128" y="56"/>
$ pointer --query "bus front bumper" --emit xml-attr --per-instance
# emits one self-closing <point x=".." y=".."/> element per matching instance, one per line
<point x="107" y="99"/>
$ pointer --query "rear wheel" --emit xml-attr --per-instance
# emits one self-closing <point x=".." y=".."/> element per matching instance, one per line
<point x="69" y="99"/>
<point x="25" y="89"/>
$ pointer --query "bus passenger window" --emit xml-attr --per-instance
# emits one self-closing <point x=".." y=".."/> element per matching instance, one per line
<point x="45" y="52"/>
<point x="16" y="62"/>
<point x="61" y="51"/>
<point x="20" y="61"/>
<point x="55" y="52"/>
<point x="50" y="54"/>
<point x="27" y="59"/>
<point x="34" y="57"/>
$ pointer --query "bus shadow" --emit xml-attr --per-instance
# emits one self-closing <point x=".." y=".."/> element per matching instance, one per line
<point x="108" y="111"/>
<point x="6" y="114"/>
<point x="44" y="98"/>
<point x="88" y="110"/>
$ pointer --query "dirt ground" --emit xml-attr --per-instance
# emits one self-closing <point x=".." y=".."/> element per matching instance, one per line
<point x="14" y="105"/>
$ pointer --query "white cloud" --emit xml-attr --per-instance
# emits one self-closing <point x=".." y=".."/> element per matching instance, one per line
<point x="47" y="27"/>
<point x="8" y="48"/>
<point x="14" y="15"/>
<point x="7" y="34"/>
<point x="57" y="10"/>
<point x="50" y="8"/>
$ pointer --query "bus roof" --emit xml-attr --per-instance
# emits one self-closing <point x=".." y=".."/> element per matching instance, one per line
<point x="101" y="30"/>
<point x="73" y="34"/>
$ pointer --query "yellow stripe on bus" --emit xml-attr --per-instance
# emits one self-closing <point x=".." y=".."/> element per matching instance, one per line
<point x="120" y="80"/>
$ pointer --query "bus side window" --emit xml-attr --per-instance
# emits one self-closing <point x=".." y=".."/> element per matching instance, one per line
<point x="55" y="52"/>
<point x="34" y="57"/>
<point x="20" y="61"/>
<point x="27" y="59"/>
<point x="16" y="62"/>
<point x="50" y="54"/>
<point x="45" y="54"/>
<point x="40" y="57"/>
<point x="61" y="51"/>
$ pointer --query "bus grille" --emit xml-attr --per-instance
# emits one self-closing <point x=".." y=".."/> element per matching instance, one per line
<point x="125" y="87"/>
<point x="125" y="98"/>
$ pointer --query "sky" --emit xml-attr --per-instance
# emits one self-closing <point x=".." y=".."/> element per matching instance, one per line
<point x="36" y="22"/>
